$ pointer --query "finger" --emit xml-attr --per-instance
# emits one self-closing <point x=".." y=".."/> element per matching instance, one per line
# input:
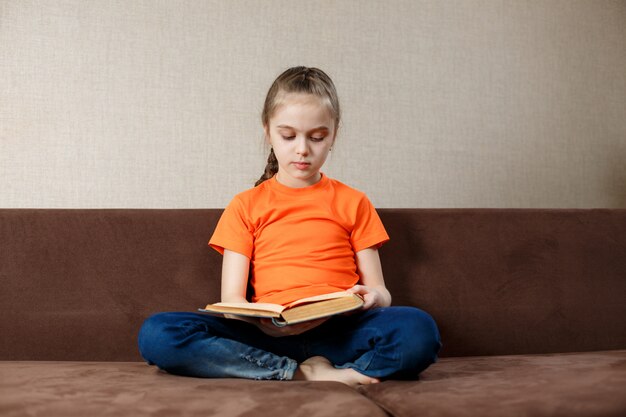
<point x="359" y="289"/>
<point x="369" y="302"/>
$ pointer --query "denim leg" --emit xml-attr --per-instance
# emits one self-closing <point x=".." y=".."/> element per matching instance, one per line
<point x="394" y="342"/>
<point x="194" y="344"/>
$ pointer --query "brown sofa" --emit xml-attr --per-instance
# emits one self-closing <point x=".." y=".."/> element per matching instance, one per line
<point x="530" y="303"/>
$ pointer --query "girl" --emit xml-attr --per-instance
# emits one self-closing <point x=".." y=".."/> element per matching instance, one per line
<point x="298" y="233"/>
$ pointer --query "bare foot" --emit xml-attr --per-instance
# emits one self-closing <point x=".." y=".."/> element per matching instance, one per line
<point x="318" y="368"/>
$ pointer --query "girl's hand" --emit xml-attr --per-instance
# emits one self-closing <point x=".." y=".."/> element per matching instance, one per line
<point x="267" y="327"/>
<point x="373" y="296"/>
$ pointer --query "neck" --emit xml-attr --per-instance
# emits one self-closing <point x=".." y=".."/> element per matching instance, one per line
<point x="298" y="183"/>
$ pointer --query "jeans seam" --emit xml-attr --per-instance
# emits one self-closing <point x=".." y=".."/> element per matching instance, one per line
<point x="375" y="348"/>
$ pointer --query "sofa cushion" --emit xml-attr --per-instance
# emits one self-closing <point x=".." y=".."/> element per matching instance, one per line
<point x="67" y="389"/>
<point x="568" y="385"/>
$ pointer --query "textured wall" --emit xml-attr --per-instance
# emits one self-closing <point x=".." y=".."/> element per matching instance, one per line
<point x="156" y="104"/>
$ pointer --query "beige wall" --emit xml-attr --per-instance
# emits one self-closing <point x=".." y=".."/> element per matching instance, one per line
<point x="156" y="104"/>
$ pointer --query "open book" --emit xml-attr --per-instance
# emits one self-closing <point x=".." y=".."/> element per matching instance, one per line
<point x="305" y="309"/>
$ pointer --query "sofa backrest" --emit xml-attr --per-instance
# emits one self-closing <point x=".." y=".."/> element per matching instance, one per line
<point x="76" y="284"/>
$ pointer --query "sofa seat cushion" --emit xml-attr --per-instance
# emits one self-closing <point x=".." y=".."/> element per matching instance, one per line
<point x="558" y="384"/>
<point x="67" y="389"/>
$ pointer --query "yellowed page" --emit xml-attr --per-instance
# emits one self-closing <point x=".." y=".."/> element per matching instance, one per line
<point x="324" y="308"/>
<point x="322" y="297"/>
<point x="275" y="308"/>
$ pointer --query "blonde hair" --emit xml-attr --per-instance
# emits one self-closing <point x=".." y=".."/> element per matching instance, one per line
<point x="297" y="80"/>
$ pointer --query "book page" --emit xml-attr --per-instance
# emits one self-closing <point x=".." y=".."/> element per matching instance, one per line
<point x="322" y="297"/>
<point x="276" y="308"/>
<point x="222" y="311"/>
<point x="319" y="309"/>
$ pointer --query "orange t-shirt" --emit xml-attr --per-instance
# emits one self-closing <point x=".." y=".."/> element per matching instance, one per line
<point x="301" y="241"/>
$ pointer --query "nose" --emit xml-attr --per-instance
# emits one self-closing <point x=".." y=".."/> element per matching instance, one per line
<point x="302" y="146"/>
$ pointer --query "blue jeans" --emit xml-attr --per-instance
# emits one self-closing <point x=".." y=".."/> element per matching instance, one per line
<point x="389" y="342"/>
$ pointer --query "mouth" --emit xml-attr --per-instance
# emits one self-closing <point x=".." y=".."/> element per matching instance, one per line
<point x="301" y="165"/>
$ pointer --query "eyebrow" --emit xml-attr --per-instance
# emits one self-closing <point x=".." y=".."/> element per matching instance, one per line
<point x="312" y="130"/>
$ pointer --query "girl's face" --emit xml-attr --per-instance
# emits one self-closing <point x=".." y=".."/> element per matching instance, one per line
<point x="301" y="132"/>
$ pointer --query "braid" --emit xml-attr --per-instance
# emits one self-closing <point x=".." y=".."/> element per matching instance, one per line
<point x="270" y="169"/>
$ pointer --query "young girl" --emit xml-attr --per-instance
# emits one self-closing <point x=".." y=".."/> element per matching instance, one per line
<point x="298" y="233"/>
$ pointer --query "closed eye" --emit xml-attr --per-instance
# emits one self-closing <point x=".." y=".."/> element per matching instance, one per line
<point x="314" y="139"/>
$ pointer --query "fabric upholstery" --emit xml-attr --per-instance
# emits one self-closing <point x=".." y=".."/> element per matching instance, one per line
<point x="529" y="303"/>
<point x="77" y="284"/>
<point x="134" y="389"/>
<point x="568" y="385"/>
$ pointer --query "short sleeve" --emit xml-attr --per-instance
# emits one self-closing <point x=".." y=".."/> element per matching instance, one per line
<point x="368" y="228"/>
<point x="233" y="230"/>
